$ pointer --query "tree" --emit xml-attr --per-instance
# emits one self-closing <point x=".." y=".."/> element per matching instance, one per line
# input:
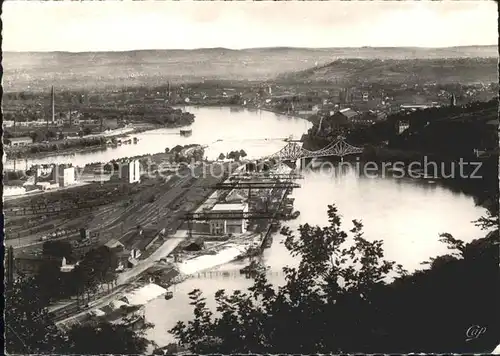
<point x="57" y="249"/>
<point x="222" y="157"/>
<point x="49" y="279"/>
<point x="29" y="328"/>
<point x="105" y="338"/>
<point x="176" y="149"/>
<point x="100" y="261"/>
<point x="95" y="270"/>
<point x="339" y="300"/>
<point x="51" y="134"/>
<point x="243" y="154"/>
<point x="37" y="136"/>
<point x="233" y="155"/>
<point x="87" y="131"/>
<point x="311" y="293"/>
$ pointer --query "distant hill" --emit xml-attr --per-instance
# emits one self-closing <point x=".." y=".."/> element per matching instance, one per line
<point x="39" y="70"/>
<point x="440" y="70"/>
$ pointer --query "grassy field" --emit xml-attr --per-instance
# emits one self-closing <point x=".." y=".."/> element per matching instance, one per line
<point x="38" y="71"/>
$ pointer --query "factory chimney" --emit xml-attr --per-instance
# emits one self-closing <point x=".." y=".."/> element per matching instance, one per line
<point x="53" y="105"/>
<point x="10" y="266"/>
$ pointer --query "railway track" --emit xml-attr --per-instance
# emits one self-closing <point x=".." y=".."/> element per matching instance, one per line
<point x="107" y="216"/>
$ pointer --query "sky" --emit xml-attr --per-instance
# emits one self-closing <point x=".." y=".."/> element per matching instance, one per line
<point x="125" y="25"/>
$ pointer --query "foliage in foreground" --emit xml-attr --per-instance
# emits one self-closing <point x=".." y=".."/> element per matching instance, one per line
<point x="330" y="304"/>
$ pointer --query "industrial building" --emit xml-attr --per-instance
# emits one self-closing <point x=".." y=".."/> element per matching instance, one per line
<point x="44" y="172"/>
<point x="349" y="113"/>
<point x="20" y="141"/>
<point x="54" y="175"/>
<point x="131" y="171"/>
<point x="66" y="175"/>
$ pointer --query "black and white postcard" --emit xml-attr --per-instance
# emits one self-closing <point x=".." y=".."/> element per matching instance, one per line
<point x="250" y="177"/>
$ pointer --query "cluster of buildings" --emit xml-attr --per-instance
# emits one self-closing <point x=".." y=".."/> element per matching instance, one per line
<point x="44" y="178"/>
<point x="20" y="141"/>
<point x="130" y="247"/>
<point x="47" y="177"/>
<point x="346" y="118"/>
<point x="69" y="120"/>
<point x="233" y="202"/>
<point x="73" y="118"/>
<point x="131" y="171"/>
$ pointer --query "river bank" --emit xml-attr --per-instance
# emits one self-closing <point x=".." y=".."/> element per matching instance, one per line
<point x="98" y="142"/>
<point x="222" y="129"/>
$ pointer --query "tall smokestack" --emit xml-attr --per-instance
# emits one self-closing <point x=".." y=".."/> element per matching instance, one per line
<point x="53" y="105"/>
<point x="10" y="266"/>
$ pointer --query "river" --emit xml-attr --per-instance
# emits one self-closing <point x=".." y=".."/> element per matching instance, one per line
<point x="408" y="215"/>
<point x="258" y="132"/>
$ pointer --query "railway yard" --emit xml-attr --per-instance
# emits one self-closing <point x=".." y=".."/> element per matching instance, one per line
<point x="154" y="216"/>
<point x="108" y="210"/>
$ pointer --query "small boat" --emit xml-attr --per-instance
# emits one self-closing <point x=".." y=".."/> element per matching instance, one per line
<point x="186" y="132"/>
<point x="169" y="295"/>
<point x="429" y="177"/>
<point x="268" y="242"/>
<point x="420" y="174"/>
<point x="275" y="227"/>
<point x="252" y="267"/>
<point x="245" y="269"/>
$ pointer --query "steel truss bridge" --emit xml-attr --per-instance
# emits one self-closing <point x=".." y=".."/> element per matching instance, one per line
<point x="294" y="151"/>
<point x="255" y="185"/>
<point x="214" y="215"/>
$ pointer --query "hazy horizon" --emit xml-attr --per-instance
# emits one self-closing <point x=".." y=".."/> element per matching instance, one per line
<point x="257" y="48"/>
<point x="112" y="26"/>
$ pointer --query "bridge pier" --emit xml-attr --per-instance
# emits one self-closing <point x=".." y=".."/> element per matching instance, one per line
<point x="306" y="161"/>
<point x="289" y="163"/>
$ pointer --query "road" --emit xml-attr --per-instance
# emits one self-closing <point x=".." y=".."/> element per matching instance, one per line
<point x="163" y="251"/>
